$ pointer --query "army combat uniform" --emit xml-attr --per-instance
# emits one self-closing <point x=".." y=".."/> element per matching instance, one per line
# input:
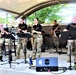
<point x="37" y="41"/>
<point x="22" y="41"/>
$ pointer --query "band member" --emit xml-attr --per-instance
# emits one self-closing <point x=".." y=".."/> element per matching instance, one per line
<point x="55" y="31"/>
<point x="37" y="34"/>
<point x="22" y="41"/>
<point x="71" y="43"/>
<point x="2" y="31"/>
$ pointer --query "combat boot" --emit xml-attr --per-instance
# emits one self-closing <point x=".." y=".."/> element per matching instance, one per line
<point x="1" y="58"/>
<point x="18" y="56"/>
<point x="38" y="55"/>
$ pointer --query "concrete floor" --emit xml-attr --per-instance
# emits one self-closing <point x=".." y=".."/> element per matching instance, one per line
<point x="23" y="68"/>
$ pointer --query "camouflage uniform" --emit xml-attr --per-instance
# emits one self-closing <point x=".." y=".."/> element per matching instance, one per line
<point x="22" y="41"/>
<point x="1" y="45"/>
<point x="21" y="45"/>
<point x="56" y="35"/>
<point x="38" y="40"/>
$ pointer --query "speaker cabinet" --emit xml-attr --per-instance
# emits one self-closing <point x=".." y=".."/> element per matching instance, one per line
<point x="45" y="64"/>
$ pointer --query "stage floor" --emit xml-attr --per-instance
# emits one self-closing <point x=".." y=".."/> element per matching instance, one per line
<point x="23" y="68"/>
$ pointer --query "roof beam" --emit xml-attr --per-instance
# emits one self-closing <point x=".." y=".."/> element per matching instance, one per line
<point x="58" y="1"/>
<point x="9" y="11"/>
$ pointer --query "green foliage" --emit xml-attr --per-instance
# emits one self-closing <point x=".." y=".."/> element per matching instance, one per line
<point x="48" y="13"/>
<point x="6" y="18"/>
<point x="3" y="20"/>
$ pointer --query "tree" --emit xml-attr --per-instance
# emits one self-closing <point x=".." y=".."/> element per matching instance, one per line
<point x="48" y="13"/>
<point x="6" y="18"/>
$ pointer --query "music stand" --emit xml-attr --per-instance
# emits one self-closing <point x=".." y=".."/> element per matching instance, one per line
<point x="64" y="36"/>
<point x="24" y="35"/>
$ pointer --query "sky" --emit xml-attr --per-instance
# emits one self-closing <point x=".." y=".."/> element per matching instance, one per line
<point x="68" y="12"/>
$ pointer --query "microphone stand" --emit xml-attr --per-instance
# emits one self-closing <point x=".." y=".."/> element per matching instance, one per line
<point x="70" y="66"/>
<point x="10" y="51"/>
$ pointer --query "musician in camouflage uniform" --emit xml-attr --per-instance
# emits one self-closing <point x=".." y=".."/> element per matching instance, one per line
<point x="56" y="32"/>
<point x="71" y="43"/>
<point x="37" y="35"/>
<point x="2" y="31"/>
<point x="22" y="41"/>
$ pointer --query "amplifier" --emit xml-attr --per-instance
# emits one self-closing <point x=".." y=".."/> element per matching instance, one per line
<point x="45" y="64"/>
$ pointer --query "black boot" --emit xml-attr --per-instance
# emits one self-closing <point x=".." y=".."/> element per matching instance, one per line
<point x="1" y="58"/>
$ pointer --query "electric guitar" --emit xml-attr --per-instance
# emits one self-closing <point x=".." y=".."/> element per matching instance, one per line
<point x="53" y="31"/>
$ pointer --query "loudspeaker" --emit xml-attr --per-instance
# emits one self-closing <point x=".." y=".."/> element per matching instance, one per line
<point x="45" y="64"/>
